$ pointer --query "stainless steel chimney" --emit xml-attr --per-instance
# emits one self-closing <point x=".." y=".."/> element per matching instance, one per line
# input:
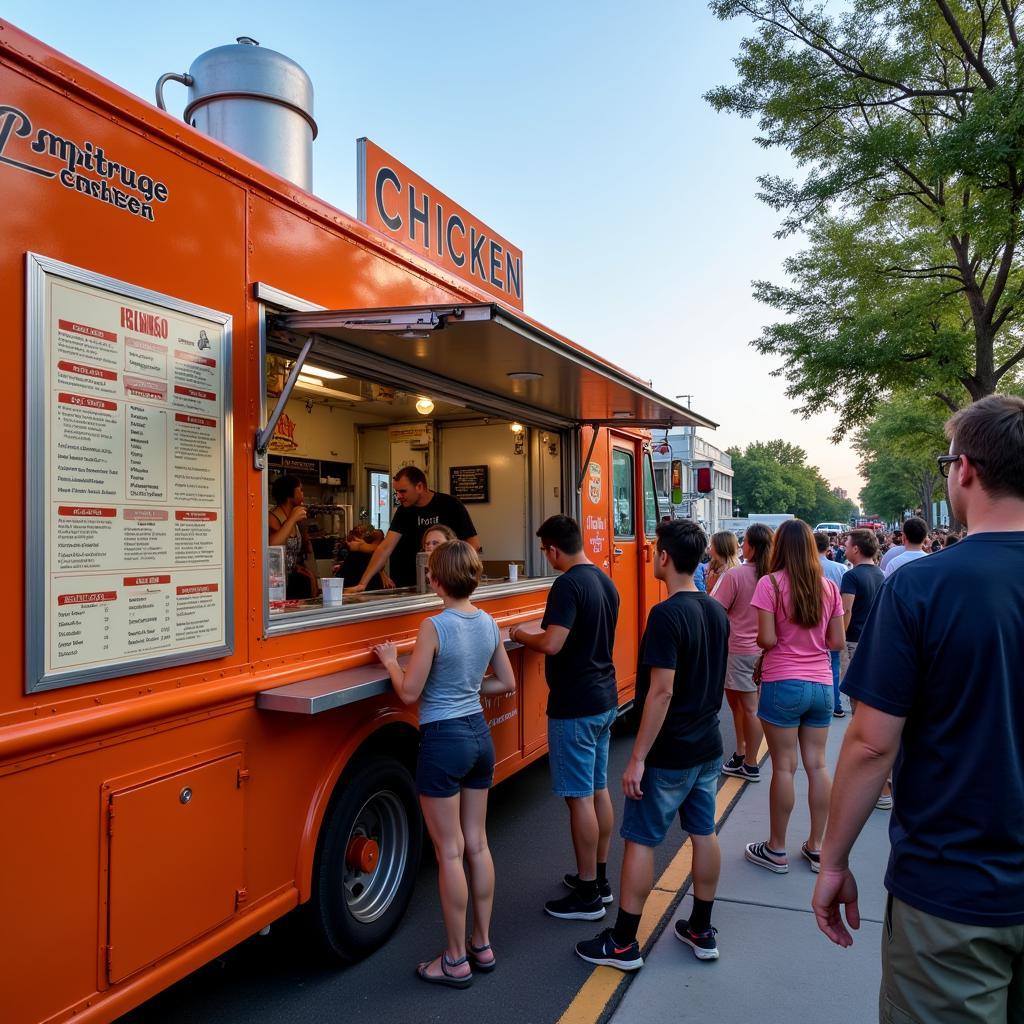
<point x="256" y="101"/>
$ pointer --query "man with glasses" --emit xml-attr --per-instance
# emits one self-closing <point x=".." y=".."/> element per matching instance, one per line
<point x="937" y="677"/>
<point x="576" y="638"/>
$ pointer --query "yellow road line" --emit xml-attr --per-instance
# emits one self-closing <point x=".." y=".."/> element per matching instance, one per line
<point x="588" y="1004"/>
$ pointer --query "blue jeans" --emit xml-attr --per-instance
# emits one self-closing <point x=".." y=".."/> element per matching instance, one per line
<point x="690" y="791"/>
<point x="579" y="753"/>
<point x="790" y="703"/>
<point x="455" y="753"/>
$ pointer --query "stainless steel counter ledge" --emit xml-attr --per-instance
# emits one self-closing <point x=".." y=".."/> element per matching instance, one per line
<point x="324" y="693"/>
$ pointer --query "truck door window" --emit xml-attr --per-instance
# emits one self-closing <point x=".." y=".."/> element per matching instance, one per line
<point x="650" y="499"/>
<point x="622" y="494"/>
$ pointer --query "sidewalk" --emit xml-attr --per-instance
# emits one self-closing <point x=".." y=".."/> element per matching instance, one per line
<point x="774" y="963"/>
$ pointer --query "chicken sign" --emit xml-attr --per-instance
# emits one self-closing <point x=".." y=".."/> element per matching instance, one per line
<point x="397" y="201"/>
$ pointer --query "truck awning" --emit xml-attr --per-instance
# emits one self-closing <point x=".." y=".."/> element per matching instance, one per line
<point x="482" y="351"/>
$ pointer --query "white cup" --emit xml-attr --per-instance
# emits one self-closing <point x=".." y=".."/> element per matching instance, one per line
<point x="513" y="572"/>
<point x="332" y="587"/>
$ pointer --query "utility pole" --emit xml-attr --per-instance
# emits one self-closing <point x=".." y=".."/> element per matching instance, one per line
<point x="689" y="489"/>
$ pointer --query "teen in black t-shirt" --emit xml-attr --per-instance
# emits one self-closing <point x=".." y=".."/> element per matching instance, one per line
<point x="576" y="638"/>
<point x="581" y="676"/>
<point x="676" y="757"/>
<point x="688" y="633"/>
<point x="863" y="582"/>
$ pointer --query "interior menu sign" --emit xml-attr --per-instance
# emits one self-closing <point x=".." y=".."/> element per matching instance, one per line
<point x="129" y="473"/>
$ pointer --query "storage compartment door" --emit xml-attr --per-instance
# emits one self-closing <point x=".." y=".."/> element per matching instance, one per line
<point x="176" y="861"/>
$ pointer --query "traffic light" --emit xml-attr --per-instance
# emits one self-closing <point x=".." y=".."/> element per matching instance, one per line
<point x="704" y="484"/>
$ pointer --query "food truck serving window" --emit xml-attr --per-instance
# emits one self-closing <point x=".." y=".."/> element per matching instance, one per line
<point x="128" y="564"/>
<point x="333" y="500"/>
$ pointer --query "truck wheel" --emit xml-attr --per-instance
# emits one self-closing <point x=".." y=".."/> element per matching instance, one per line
<point x="367" y="859"/>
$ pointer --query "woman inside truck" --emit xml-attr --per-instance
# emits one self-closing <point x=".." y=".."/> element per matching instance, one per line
<point x="455" y="765"/>
<point x="285" y="518"/>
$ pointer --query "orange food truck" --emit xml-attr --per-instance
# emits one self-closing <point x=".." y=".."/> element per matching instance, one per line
<point x="186" y="752"/>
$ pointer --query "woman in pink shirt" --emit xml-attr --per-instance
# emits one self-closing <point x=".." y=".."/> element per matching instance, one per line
<point x="734" y="592"/>
<point x="799" y="620"/>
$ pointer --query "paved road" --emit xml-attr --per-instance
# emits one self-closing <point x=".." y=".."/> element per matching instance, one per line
<point x="269" y="979"/>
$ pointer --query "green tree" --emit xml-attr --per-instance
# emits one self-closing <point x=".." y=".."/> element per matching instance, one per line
<point x="909" y="117"/>
<point x="898" y="449"/>
<point x="773" y="476"/>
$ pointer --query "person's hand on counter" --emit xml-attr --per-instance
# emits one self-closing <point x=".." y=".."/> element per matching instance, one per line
<point x="357" y="588"/>
<point x="387" y="653"/>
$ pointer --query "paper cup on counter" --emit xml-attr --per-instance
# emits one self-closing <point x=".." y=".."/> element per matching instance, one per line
<point x="333" y="589"/>
<point x="513" y="572"/>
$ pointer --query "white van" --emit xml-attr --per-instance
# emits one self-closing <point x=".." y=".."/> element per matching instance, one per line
<point x="831" y="527"/>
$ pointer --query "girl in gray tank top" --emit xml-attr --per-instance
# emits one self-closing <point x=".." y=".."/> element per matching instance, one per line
<point x="455" y="764"/>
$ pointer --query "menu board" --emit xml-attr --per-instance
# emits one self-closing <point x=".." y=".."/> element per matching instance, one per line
<point x="469" y="484"/>
<point x="131" y="481"/>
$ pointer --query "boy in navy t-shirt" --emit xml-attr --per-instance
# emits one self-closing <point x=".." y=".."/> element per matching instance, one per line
<point x="938" y="680"/>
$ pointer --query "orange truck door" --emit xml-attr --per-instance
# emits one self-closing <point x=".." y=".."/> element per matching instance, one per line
<point x="625" y="553"/>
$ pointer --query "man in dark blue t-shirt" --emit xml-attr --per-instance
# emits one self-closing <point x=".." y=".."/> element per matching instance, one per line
<point x="577" y="635"/>
<point x="938" y="680"/>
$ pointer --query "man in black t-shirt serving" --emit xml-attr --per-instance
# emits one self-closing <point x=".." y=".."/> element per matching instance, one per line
<point x="420" y="508"/>
<point x="577" y="635"/>
<point x="940" y="700"/>
<point x="677" y="754"/>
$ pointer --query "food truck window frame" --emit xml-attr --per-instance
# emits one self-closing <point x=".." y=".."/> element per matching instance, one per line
<point x="345" y="359"/>
<point x="39" y="270"/>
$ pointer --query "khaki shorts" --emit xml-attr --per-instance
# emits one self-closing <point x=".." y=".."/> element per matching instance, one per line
<point x="739" y="673"/>
<point x="939" y="972"/>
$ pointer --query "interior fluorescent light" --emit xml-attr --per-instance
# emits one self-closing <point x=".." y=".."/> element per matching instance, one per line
<point x="316" y="371"/>
<point x="309" y="381"/>
<point x="525" y="375"/>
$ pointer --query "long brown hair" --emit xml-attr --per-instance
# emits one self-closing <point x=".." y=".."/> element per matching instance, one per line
<point x="759" y="537"/>
<point x="724" y="551"/>
<point x="794" y="552"/>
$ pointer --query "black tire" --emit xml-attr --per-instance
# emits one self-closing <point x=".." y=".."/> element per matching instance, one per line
<point x="352" y="912"/>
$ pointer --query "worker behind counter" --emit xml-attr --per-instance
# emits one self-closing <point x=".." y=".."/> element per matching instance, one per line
<point x="420" y="508"/>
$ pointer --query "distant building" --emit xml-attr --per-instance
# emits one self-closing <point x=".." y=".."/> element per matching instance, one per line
<point x="675" y="478"/>
<point x="840" y="492"/>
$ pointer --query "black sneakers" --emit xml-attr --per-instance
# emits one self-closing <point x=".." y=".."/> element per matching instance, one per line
<point x="603" y="950"/>
<point x="747" y="772"/>
<point x="735" y="762"/>
<point x="604" y="888"/>
<point x="572" y="908"/>
<point x="703" y="944"/>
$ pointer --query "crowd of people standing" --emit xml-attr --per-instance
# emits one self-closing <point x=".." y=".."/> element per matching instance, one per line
<point x="935" y="685"/>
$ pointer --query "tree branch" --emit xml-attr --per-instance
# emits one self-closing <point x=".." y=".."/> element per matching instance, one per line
<point x="1011" y="26"/>
<point x="969" y="54"/>
<point x="1009" y="364"/>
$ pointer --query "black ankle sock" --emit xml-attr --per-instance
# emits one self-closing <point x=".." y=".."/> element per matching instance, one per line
<point x="625" y="929"/>
<point x="602" y="872"/>
<point x="588" y="891"/>
<point x="700" y="916"/>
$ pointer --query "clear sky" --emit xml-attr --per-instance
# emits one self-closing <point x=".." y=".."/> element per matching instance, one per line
<point x="576" y="129"/>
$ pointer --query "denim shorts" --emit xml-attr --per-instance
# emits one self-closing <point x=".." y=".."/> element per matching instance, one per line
<point x="793" y="702"/>
<point x="455" y="753"/>
<point x="690" y="791"/>
<point x="578" y="749"/>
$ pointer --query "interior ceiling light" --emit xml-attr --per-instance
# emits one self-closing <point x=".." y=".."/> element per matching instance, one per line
<point x="525" y="375"/>
<point x="315" y="371"/>
<point x="424" y="406"/>
<point x="310" y="382"/>
<point x="516" y="428"/>
<point x="414" y="334"/>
